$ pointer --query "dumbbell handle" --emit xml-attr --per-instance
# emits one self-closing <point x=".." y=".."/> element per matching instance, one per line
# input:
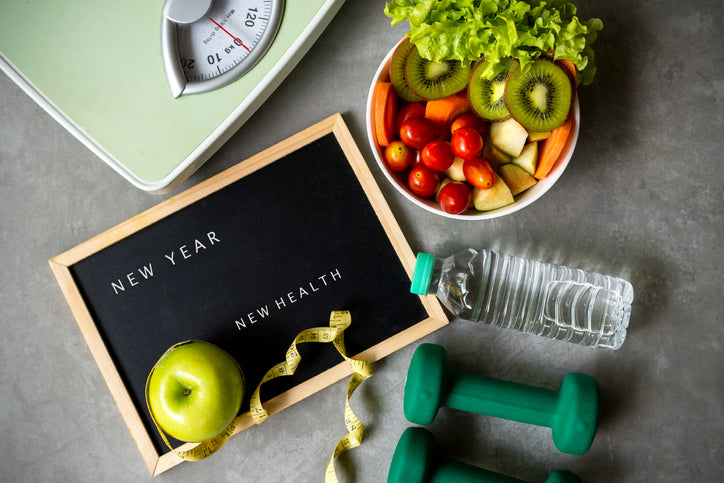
<point x="451" y="470"/>
<point x="503" y="399"/>
<point x="456" y="471"/>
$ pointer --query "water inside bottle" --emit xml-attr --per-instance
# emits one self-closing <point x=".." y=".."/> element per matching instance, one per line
<point x="586" y="314"/>
<point x="535" y="297"/>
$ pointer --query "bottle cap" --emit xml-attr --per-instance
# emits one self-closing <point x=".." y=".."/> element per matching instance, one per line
<point x="423" y="273"/>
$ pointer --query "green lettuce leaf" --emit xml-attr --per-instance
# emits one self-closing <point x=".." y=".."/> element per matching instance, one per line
<point x="467" y="30"/>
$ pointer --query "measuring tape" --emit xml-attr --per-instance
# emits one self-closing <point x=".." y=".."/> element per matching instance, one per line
<point x="339" y="321"/>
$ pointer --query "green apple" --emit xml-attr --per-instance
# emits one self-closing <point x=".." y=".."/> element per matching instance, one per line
<point x="194" y="391"/>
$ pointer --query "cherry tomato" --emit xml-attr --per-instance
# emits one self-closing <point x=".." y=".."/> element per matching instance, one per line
<point x="418" y="131"/>
<point x="478" y="173"/>
<point x="398" y="156"/>
<point x="469" y="120"/>
<point x="437" y="155"/>
<point x="408" y="112"/>
<point x="423" y="181"/>
<point x="417" y="158"/>
<point x="455" y="197"/>
<point x="466" y="143"/>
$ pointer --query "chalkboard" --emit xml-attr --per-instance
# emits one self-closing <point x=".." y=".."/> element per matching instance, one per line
<point x="247" y="260"/>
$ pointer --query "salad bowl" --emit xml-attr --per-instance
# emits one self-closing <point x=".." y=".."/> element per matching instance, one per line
<point x="399" y="179"/>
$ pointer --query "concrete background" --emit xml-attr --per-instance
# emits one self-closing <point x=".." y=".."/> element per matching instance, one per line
<point x="641" y="199"/>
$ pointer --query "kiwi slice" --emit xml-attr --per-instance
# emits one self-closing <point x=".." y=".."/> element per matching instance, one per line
<point x="434" y="80"/>
<point x="397" y="71"/>
<point x="487" y="96"/>
<point x="540" y="98"/>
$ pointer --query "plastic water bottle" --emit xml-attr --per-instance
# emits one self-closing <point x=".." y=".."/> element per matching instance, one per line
<point x="528" y="295"/>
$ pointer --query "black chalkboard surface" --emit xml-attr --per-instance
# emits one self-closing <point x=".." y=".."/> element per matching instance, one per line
<point x="247" y="260"/>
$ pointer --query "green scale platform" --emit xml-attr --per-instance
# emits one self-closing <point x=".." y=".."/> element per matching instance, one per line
<point x="97" y="68"/>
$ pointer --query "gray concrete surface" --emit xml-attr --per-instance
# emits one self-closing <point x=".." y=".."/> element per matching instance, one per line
<point x="641" y="199"/>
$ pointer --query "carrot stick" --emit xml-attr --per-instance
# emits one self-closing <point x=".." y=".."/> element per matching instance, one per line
<point x="571" y="69"/>
<point x="444" y="111"/>
<point x="550" y="149"/>
<point x="385" y="113"/>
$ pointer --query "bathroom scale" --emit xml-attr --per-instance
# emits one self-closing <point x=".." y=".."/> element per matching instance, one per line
<point x="155" y="87"/>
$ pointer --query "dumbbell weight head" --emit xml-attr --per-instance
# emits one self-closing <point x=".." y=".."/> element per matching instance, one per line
<point x="426" y="383"/>
<point x="562" y="476"/>
<point x="576" y="418"/>
<point x="416" y="460"/>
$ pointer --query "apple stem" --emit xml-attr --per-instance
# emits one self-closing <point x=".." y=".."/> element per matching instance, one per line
<point x="187" y="391"/>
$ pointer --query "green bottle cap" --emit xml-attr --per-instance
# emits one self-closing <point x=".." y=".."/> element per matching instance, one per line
<point x="423" y="273"/>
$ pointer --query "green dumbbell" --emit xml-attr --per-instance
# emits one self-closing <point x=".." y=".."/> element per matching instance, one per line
<point x="571" y="411"/>
<point x="416" y="461"/>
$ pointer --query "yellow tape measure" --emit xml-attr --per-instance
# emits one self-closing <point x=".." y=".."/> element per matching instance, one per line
<point x="339" y="321"/>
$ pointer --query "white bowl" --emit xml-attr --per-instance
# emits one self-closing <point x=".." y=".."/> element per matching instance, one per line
<point x="399" y="180"/>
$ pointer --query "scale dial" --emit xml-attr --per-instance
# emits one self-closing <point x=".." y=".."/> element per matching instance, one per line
<point x="207" y="44"/>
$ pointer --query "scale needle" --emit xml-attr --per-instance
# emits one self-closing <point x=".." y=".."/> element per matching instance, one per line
<point x="238" y="41"/>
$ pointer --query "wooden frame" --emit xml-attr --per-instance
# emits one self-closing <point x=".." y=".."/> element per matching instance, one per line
<point x="60" y="265"/>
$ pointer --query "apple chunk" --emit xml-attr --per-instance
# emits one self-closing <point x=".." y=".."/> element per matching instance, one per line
<point x="538" y="135"/>
<point x="517" y="179"/>
<point x="455" y="171"/>
<point x="509" y="136"/>
<point x="528" y="159"/>
<point x="493" y="154"/>
<point x="495" y="197"/>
